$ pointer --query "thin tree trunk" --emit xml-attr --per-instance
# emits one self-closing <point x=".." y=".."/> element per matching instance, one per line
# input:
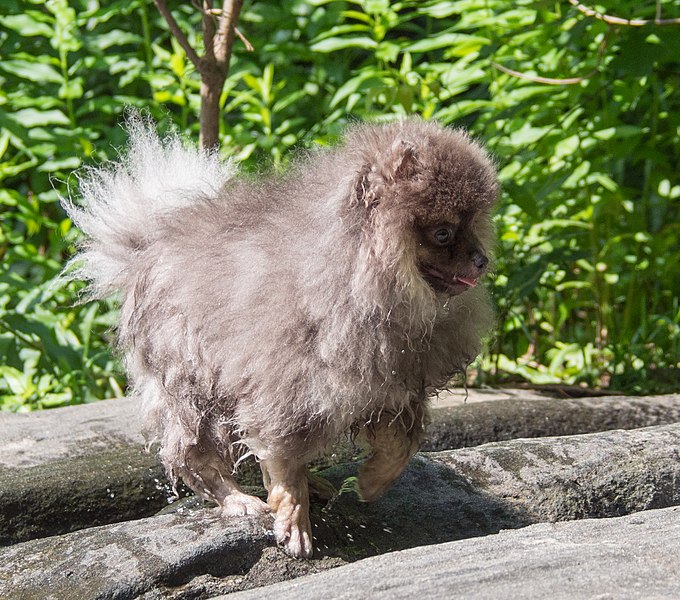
<point x="219" y="31"/>
<point x="210" y="113"/>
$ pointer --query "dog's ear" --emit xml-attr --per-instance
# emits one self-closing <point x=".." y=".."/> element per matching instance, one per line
<point x="399" y="163"/>
<point x="402" y="162"/>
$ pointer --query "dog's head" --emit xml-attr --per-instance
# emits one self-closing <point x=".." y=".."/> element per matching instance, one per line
<point x="427" y="193"/>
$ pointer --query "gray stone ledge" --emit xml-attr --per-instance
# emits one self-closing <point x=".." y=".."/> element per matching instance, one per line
<point x="633" y="557"/>
<point x="30" y="439"/>
<point x="458" y="425"/>
<point x="86" y="490"/>
<point x="36" y="438"/>
<point x="441" y="497"/>
<point x="127" y="559"/>
<point x="471" y="492"/>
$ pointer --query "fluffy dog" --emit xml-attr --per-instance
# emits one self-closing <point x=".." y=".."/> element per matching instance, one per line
<point x="268" y="316"/>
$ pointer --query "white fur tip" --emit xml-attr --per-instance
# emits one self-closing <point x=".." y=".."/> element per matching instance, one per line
<point x="121" y="200"/>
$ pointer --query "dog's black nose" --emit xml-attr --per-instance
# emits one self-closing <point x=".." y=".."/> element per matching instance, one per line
<point x="479" y="260"/>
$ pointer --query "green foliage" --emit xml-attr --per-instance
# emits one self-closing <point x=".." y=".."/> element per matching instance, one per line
<point x="586" y="283"/>
<point x="589" y="228"/>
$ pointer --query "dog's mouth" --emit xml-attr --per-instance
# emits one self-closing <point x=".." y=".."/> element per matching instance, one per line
<point x="449" y="283"/>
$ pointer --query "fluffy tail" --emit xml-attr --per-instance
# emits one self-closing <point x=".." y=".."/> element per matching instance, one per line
<point x="122" y="201"/>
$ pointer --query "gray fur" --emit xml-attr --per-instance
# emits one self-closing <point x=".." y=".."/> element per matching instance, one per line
<point x="271" y="316"/>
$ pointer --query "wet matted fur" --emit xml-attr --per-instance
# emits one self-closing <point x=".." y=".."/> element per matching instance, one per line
<point x="270" y="316"/>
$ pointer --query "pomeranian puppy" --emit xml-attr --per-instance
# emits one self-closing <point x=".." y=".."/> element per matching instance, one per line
<point x="268" y="316"/>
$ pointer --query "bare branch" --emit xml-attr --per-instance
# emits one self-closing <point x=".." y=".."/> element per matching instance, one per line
<point x="219" y="31"/>
<point x="613" y="20"/>
<point x="208" y="32"/>
<point x="178" y="33"/>
<point x="545" y="80"/>
<point x="244" y="39"/>
<point x="218" y="12"/>
<point x="226" y="25"/>
<point x="565" y="81"/>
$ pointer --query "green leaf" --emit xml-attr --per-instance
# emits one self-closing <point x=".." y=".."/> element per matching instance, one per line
<point x="353" y="85"/>
<point x="620" y="132"/>
<point x="30" y="117"/>
<point x="19" y="383"/>
<point x="29" y="24"/>
<point x="31" y="71"/>
<point x="72" y="89"/>
<point x="527" y="135"/>
<point x="460" y="109"/>
<point x="376" y="7"/>
<point x="116" y="37"/>
<point x="440" y="10"/>
<point x="62" y="164"/>
<point x="387" y="51"/>
<point x="465" y="43"/>
<point x="334" y="44"/>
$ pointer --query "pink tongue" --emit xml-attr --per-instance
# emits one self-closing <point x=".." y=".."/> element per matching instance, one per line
<point x="468" y="282"/>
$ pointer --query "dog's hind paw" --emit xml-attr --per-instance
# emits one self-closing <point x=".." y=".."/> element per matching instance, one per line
<point x="238" y="504"/>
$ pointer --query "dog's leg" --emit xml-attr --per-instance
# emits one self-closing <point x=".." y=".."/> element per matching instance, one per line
<point x="209" y="474"/>
<point x="289" y="498"/>
<point x="393" y="441"/>
<point x="319" y="487"/>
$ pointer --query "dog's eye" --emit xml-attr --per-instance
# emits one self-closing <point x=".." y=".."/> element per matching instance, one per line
<point x="442" y="235"/>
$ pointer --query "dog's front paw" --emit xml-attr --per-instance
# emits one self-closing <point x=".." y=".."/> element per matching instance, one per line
<point x="374" y="480"/>
<point x="292" y="527"/>
<point x="371" y="490"/>
<point x="293" y="531"/>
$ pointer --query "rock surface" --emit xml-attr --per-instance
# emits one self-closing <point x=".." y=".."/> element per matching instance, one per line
<point x="637" y="556"/>
<point x="75" y="467"/>
<point x="470" y="492"/>
<point x="437" y="531"/>
<point x="36" y="438"/>
<point x="88" y="490"/>
<point x="441" y="497"/>
<point x="128" y="559"/>
<point x="457" y="425"/>
<point x="82" y="466"/>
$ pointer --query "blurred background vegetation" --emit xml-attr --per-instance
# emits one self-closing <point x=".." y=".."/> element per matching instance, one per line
<point x="583" y="116"/>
